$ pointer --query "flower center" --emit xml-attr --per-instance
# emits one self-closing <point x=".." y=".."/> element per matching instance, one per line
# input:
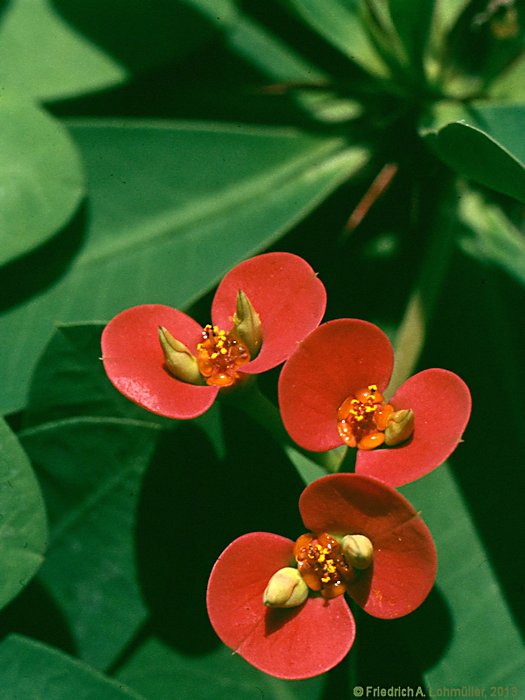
<point x="363" y="417"/>
<point x="219" y="356"/>
<point x="321" y="563"/>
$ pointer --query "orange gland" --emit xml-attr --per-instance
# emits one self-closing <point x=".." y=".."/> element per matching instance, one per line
<point x="219" y="356"/>
<point x="363" y="417"/>
<point x="321" y="563"/>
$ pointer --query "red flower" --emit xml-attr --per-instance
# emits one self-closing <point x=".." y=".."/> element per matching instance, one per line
<point x="287" y="298"/>
<point x="330" y="393"/>
<point x="309" y="639"/>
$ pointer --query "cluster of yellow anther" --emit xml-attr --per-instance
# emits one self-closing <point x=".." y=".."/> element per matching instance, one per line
<point x="363" y="417"/>
<point x="322" y="565"/>
<point x="220" y="340"/>
<point x="326" y="564"/>
<point x="219" y="356"/>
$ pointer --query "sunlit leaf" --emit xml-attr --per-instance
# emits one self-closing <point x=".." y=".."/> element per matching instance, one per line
<point x="41" y="55"/>
<point x="41" y="179"/>
<point x="54" y="49"/>
<point x="340" y="22"/>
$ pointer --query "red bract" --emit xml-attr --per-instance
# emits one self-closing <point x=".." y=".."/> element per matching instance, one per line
<point x="283" y="290"/>
<point x="341" y="358"/>
<point x="305" y="641"/>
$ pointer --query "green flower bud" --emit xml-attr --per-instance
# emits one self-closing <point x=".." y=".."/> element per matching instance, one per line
<point x="179" y="360"/>
<point x="247" y="324"/>
<point x="286" y="589"/>
<point x="358" y="551"/>
<point x="400" y="426"/>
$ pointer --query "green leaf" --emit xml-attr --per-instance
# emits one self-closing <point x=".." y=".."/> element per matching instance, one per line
<point x="341" y="23"/>
<point x="504" y="123"/>
<point x="41" y="179"/>
<point x="510" y="84"/>
<point x="41" y="55"/>
<point x="412" y="22"/>
<point x="447" y="13"/>
<point x="172" y="208"/>
<point x="55" y="49"/>
<point x="159" y="671"/>
<point x="91" y="472"/>
<point x="23" y="529"/>
<point x="485" y="649"/>
<point x="33" y="671"/>
<point x="474" y="154"/>
<point x="491" y="237"/>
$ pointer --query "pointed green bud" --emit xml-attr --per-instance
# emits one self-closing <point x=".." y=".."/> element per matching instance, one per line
<point x="400" y="427"/>
<point x="286" y="589"/>
<point x="358" y="551"/>
<point x="247" y="324"/>
<point x="179" y="360"/>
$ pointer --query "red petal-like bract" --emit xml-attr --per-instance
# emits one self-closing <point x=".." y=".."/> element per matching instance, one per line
<point x="295" y="643"/>
<point x="441" y="403"/>
<point x="285" y="292"/>
<point x="404" y="566"/>
<point x="134" y="361"/>
<point x="337" y="359"/>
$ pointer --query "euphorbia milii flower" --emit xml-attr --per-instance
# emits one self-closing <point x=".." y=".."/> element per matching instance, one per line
<point x="364" y="539"/>
<point x="161" y="359"/>
<point x="331" y="393"/>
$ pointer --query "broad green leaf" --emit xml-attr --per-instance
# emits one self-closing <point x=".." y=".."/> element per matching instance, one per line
<point x="55" y="49"/>
<point x="41" y="179"/>
<point x="172" y="208"/>
<point x="485" y="648"/>
<point x="500" y="121"/>
<point x="159" y="671"/>
<point x="474" y="154"/>
<point x="23" y="529"/>
<point x="41" y="55"/>
<point x="504" y="123"/>
<point x="341" y="23"/>
<point x="32" y="671"/>
<point x="491" y="237"/>
<point x="91" y="472"/>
